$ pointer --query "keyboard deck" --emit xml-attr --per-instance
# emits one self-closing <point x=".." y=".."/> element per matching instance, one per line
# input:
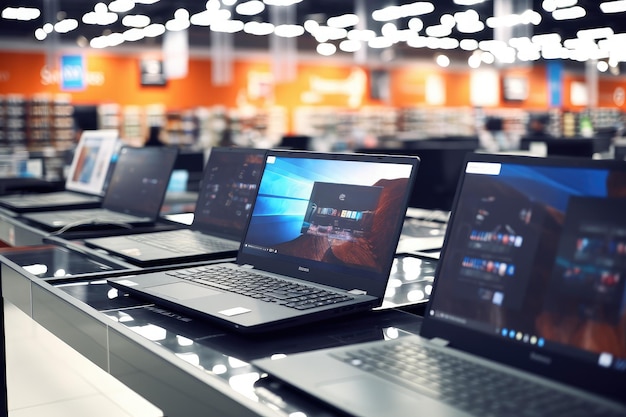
<point x="477" y="389"/>
<point x="261" y="287"/>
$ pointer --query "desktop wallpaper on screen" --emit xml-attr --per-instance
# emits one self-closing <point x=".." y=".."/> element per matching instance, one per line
<point x="331" y="211"/>
<point x="540" y="257"/>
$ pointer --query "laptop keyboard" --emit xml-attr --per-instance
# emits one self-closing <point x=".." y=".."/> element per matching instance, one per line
<point x="186" y="242"/>
<point x="466" y="385"/>
<point x="261" y="287"/>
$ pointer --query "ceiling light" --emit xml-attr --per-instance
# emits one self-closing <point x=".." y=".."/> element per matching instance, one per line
<point x="575" y="12"/>
<point x="547" y="39"/>
<point x="213" y="4"/>
<point x="325" y="33"/>
<point x="469" y="44"/>
<point x="20" y="13"/>
<point x="48" y="27"/>
<point x="474" y="61"/>
<point x="66" y="25"/>
<point x="350" y="45"/>
<point x="100" y="16"/>
<point x="447" y="20"/>
<point x="40" y="34"/>
<point x="417" y="42"/>
<point x="133" y="34"/>
<point x="181" y="14"/>
<point x="438" y="31"/>
<point x="443" y="61"/>
<point x="121" y="6"/>
<point x="258" y="28"/>
<point x="136" y="20"/>
<point x="281" y="2"/>
<point x="153" y="30"/>
<point x="229" y="2"/>
<point x="207" y="17"/>
<point x="597" y="33"/>
<point x="613" y="6"/>
<point x="146" y="1"/>
<point x="176" y="25"/>
<point x="250" y="8"/>
<point x="380" y="42"/>
<point x="468" y="2"/>
<point x="416" y="24"/>
<point x="227" y="26"/>
<point x="343" y="21"/>
<point x="326" y="49"/>
<point x="602" y="66"/>
<point x="397" y="12"/>
<point x="487" y="58"/>
<point x="288" y="31"/>
<point x="364" y="35"/>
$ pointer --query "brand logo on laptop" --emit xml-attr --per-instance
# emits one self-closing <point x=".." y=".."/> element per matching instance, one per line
<point x="303" y="269"/>
<point x="342" y="197"/>
<point x="540" y="358"/>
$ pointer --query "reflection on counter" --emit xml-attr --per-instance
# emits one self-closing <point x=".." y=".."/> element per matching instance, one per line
<point x="57" y="262"/>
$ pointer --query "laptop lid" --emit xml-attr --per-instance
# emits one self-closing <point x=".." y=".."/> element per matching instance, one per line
<point x="90" y="165"/>
<point x="227" y="191"/>
<point x="332" y="219"/>
<point x="533" y="268"/>
<point x="139" y="180"/>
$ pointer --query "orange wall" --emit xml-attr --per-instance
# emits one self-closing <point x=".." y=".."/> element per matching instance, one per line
<point x="115" y="79"/>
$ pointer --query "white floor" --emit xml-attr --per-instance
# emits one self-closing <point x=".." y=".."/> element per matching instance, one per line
<point x="46" y="377"/>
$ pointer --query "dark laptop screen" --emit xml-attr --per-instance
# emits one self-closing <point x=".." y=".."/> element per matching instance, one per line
<point x="228" y="189"/>
<point x="536" y="256"/>
<point x="329" y="215"/>
<point x="139" y="181"/>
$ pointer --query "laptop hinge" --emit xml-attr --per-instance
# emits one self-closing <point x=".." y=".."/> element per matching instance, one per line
<point x="247" y="266"/>
<point x="439" y="341"/>
<point x="356" y="291"/>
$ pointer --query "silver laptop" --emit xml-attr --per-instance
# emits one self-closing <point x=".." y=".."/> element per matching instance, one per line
<point x="133" y="197"/>
<point x="319" y="243"/>
<point x="528" y="311"/>
<point x="227" y="191"/>
<point x="86" y="180"/>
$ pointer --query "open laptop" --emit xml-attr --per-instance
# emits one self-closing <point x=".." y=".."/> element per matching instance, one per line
<point x="324" y="227"/>
<point x="133" y="197"/>
<point x="86" y="179"/>
<point x="227" y="192"/>
<point x="529" y="289"/>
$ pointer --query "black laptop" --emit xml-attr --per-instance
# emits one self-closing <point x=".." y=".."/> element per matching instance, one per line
<point x="134" y="195"/>
<point x="227" y="191"/>
<point x="86" y="180"/>
<point x="528" y="311"/>
<point x="320" y="242"/>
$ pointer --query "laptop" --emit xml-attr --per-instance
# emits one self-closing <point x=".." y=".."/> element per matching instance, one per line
<point x="227" y="192"/>
<point x="528" y="292"/>
<point x="320" y="242"/>
<point x="134" y="195"/>
<point x="86" y="179"/>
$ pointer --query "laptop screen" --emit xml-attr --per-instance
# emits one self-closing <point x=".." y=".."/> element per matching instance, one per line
<point x="227" y="192"/>
<point x="140" y="180"/>
<point x="91" y="161"/>
<point x="322" y="216"/>
<point x="535" y="256"/>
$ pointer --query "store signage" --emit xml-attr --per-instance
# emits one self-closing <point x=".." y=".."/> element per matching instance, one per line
<point x="152" y="72"/>
<point x="72" y="72"/>
<point x="353" y="87"/>
<point x="555" y="83"/>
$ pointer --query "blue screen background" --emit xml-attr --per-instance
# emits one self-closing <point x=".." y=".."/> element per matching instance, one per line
<point x="286" y="186"/>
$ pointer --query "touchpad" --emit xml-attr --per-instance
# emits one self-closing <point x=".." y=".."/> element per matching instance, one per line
<point x="183" y="291"/>
<point x="369" y="396"/>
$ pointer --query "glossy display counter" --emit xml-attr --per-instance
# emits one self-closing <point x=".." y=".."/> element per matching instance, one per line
<point x="186" y="366"/>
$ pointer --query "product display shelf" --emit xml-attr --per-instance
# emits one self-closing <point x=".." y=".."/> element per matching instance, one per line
<point x="183" y="365"/>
